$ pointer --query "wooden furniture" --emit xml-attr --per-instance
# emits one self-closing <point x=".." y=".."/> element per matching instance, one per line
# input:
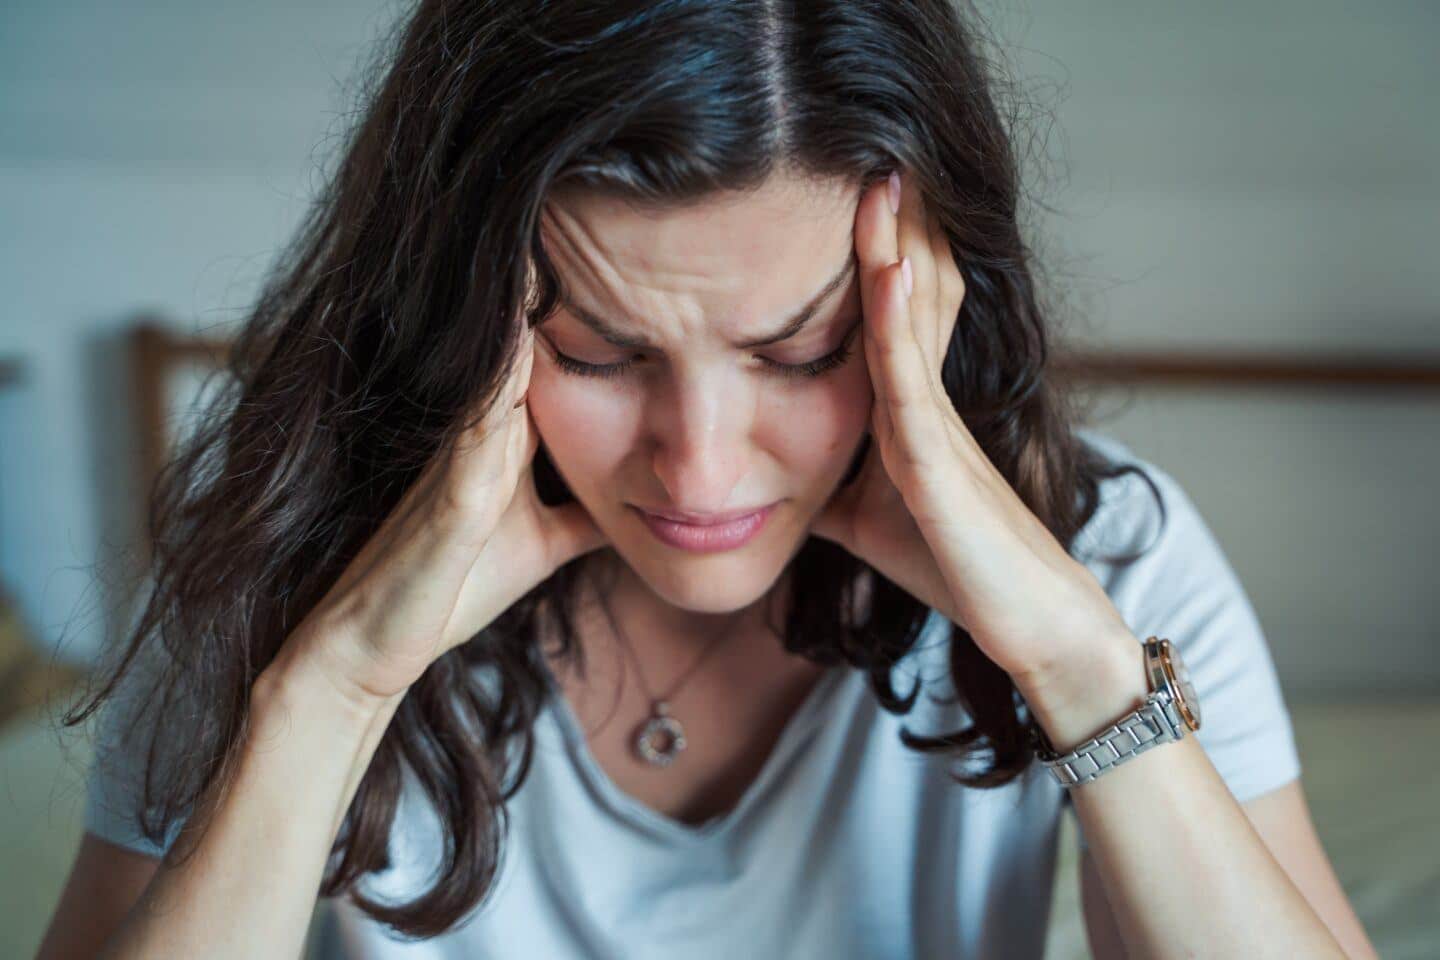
<point x="166" y="366"/>
<point x="28" y="678"/>
<point x="1210" y="368"/>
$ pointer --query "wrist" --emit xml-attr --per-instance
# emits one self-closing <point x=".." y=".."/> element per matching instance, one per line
<point x="1075" y="701"/>
<point x="307" y="671"/>
<point x="297" y="708"/>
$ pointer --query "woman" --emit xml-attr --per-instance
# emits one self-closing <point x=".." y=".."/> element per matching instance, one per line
<point x="457" y="623"/>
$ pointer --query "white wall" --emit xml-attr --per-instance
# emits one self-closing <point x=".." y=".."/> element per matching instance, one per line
<point x="153" y="157"/>
<point x="1224" y="175"/>
<point x="1267" y="176"/>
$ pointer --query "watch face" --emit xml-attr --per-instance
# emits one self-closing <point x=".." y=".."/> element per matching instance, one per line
<point x="1181" y="674"/>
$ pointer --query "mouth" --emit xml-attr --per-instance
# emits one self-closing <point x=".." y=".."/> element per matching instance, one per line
<point x="727" y="533"/>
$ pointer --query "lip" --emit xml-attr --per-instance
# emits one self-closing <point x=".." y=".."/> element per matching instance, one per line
<point x="727" y="534"/>
<point x="699" y="520"/>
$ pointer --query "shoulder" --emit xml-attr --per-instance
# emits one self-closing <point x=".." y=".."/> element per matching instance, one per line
<point x="133" y="748"/>
<point x="1133" y="504"/>
<point x="1159" y="561"/>
<point x="1145" y="523"/>
<point x="1168" y="575"/>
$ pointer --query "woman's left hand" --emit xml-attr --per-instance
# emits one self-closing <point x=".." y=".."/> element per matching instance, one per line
<point x="933" y="514"/>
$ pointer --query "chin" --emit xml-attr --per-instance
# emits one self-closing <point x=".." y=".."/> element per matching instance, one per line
<point x="717" y="582"/>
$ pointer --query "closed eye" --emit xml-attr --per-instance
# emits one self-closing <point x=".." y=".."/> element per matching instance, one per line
<point x="813" y="368"/>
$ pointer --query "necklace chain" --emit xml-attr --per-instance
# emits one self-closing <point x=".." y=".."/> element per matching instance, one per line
<point x="660" y="738"/>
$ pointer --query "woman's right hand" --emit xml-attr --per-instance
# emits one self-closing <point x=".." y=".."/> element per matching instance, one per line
<point x="467" y="539"/>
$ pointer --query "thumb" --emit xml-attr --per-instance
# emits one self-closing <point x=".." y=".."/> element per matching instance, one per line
<point x="836" y="519"/>
<point x="570" y="531"/>
<point x="833" y="522"/>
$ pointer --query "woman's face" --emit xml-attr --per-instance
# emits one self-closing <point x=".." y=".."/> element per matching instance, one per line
<point x="689" y="417"/>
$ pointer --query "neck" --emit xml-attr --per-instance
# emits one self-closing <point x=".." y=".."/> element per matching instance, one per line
<point x="667" y="639"/>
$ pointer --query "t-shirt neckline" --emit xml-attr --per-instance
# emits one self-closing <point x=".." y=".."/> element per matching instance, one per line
<point x="796" y="733"/>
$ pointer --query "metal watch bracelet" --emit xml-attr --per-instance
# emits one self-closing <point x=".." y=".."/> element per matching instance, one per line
<point x="1154" y="722"/>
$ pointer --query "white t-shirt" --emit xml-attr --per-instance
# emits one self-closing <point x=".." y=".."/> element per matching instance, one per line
<point x="847" y="844"/>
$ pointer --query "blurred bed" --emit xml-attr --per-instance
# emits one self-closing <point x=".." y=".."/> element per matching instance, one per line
<point x="1375" y="796"/>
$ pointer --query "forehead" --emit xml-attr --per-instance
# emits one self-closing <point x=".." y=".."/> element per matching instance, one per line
<point x="727" y="257"/>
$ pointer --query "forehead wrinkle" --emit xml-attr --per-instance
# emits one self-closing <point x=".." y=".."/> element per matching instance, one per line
<point x="591" y="263"/>
<point x="613" y="333"/>
<point x="601" y="273"/>
<point x="586" y="248"/>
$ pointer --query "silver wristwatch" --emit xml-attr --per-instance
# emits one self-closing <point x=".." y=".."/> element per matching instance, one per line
<point x="1171" y="710"/>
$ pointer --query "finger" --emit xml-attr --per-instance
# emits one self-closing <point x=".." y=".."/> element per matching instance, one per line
<point x="507" y="395"/>
<point x="879" y="234"/>
<point x="532" y="436"/>
<point x="876" y="242"/>
<point x="950" y="290"/>
<point x="569" y="531"/>
<point x="898" y="370"/>
<point x="524" y="364"/>
<point x="494" y="419"/>
<point x="486" y="457"/>
<point x="913" y="239"/>
<point x="836" y="519"/>
<point x="519" y="440"/>
<point x="833" y="522"/>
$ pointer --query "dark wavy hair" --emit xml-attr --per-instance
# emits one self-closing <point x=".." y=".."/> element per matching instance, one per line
<point x="379" y="329"/>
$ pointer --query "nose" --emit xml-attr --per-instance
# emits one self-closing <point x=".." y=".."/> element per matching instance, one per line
<point x="702" y="439"/>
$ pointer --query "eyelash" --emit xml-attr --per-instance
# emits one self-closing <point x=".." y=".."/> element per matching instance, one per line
<point x="815" y="368"/>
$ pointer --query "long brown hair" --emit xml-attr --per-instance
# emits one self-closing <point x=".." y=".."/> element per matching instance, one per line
<point x="380" y="328"/>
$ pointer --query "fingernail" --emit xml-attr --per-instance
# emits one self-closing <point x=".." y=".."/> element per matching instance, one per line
<point x="908" y="276"/>
<point x="894" y="192"/>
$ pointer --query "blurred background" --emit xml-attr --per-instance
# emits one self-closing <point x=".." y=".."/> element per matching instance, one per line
<point x="1236" y="210"/>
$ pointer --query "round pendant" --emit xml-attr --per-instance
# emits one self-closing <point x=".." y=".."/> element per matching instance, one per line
<point x="661" y="738"/>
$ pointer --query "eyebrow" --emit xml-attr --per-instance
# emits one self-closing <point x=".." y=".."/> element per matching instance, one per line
<point x="793" y="325"/>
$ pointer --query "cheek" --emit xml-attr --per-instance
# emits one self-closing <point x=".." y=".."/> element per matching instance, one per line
<point x="583" y="425"/>
<point x="815" y="430"/>
<point x="811" y="428"/>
